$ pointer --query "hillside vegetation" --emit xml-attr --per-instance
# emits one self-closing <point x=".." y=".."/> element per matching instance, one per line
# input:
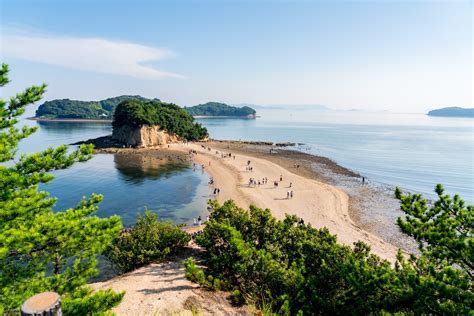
<point x="168" y="116"/>
<point x="104" y="109"/>
<point x="219" y="109"/>
<point x="74" y="109"/>
<point x="452" y="112"/>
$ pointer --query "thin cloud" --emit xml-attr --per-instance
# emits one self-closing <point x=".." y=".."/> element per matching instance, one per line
<point x="91" y="54"/>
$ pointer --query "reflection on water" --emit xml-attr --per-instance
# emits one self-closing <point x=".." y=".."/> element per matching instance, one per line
<point x="130" y="183"/>
<point x="137" y="168"/>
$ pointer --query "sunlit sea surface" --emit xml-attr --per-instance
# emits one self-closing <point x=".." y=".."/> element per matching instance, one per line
<point x="413" y="151"/>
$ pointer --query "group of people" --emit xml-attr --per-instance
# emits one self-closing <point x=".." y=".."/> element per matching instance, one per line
<point x="228" y="155"/>
<point x="254" y="182"/>
<point x="289" y="194"/>
<point x="217" y="191"/>
<point x="198" y="221"/>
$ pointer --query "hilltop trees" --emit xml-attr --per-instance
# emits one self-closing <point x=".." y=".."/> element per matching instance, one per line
<point x="219" y="109"/>
<point x="168" y="116"/>
<point x="42" y="250"/>
<point x="75" y="109"/>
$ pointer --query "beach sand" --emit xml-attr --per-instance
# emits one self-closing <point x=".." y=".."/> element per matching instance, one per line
<point x="162" y="289"/>
<point x="317" y="203"/>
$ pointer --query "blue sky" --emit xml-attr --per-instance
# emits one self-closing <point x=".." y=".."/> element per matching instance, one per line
<point x="400" y="56"/>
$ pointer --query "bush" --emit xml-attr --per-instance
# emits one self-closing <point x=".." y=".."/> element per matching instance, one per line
<point x="291" y="268"/>
<point x="149" y="240"/>
<point x="84" y="301"/>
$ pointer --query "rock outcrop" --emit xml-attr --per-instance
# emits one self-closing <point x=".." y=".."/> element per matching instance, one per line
<point x="143" y="136"/>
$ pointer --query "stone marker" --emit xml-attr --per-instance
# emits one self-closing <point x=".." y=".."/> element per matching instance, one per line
<point x="43" y="304"/>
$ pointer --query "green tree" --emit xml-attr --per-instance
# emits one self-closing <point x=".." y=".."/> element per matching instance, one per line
<point x="168" y="116"/>
<point x="442" y="276"/>
<point x="149" y="240"/>
<point x="42" y="250"/>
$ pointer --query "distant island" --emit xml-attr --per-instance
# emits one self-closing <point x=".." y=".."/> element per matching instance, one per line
<point x="452" y="112"/>
<point x="87" y="110"/>
<point x="215" y="109"/>
<point x="66" y="109"/>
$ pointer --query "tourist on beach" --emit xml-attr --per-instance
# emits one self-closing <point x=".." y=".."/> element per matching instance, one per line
<point x="291" y="183"/>
<point x="363" y="180"/>
<point x="281" y="178"/>
<point x="291" y="194"/>
<point x="218" y="191"/>
<point x="287" y="195"/>
<point x="199" y="220"/>
<point x="194" y="221"/>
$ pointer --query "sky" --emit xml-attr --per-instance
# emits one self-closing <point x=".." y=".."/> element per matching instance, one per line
<point x="407" y="56"/>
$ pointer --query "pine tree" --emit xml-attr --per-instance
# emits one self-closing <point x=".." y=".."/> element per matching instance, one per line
<point x="42" y="250"/>
<point x="442" y="276"/>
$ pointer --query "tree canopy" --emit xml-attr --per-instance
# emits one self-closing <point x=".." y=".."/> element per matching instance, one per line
<point x="219" y="109"/>
<point x="168" y="116"/>
<point x="42" y="250"/>
<point x="75" y="109"/>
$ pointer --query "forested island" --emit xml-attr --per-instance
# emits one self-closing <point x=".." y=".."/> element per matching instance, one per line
<point x="66" y="109"/>
<point x="452" y="112"/>
<point x="90" y="110"/>
<point x="151" y="123"/>
<point x="215" y="109"/>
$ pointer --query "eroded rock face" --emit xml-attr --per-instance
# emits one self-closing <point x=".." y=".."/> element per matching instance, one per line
<point x="144" y="136"/>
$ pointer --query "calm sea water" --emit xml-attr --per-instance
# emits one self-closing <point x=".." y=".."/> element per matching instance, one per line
<point x="129" y="185"/>
<point x="413" y="151"/>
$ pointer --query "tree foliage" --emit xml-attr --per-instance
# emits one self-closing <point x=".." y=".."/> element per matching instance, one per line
<point x="42" y="250"/>
<point x="168" y="116"/>
<point x="75" y="109"/>
<point x="219" y="109"/>
<point x="445" y="234"/>
<point x="296" y="269"/>
<point x="147" y="241"/>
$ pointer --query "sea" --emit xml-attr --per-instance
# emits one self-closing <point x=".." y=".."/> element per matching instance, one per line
<point x="412" y="151"/>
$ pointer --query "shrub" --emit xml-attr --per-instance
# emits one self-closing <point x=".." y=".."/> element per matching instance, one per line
<point x="291" y="268"/>
<point x="84" y="301"/>
<point x="149" y="240"/>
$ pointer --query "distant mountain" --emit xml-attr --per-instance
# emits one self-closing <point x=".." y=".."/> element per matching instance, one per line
<point x="75" y="109"/>
<point x="452" y="112"/>
<point x="213" y="109"/>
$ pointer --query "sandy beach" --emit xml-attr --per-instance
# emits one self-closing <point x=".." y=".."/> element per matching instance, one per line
<point x="162" y="289"/>
<point x="317" y="203"/>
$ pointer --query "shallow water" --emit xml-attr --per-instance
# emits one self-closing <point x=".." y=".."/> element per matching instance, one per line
<point x="413" y="151"/>
<point x="128" y="183"/>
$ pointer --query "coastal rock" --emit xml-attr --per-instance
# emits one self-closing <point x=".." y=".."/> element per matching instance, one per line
<point x="143" y="136"/>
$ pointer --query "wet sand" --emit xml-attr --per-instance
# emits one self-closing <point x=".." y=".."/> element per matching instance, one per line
<point x="371" y="205"/>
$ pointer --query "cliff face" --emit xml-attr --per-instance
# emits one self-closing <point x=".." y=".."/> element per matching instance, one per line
<point x="144" y="136"/>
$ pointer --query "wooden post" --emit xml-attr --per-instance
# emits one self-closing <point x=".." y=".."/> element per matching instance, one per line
<point x="43" y="304"/>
